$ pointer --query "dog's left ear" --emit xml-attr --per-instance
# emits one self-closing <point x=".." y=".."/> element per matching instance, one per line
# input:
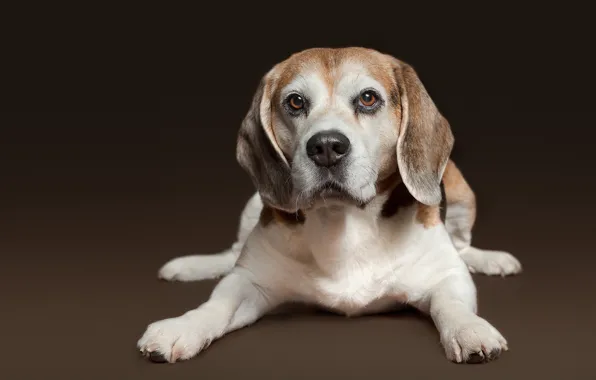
<point x="425" y="139"/>
<point x="258" y="153"/>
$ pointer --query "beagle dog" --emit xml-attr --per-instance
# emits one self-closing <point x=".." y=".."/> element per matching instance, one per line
<point x="358" y="210"/>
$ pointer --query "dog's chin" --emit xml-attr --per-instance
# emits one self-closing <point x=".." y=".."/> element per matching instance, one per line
<point x="333" y="194"/>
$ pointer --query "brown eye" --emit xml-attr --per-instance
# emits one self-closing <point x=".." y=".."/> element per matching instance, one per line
<point x="368" y="99"/>
<point x="296" y="102"/>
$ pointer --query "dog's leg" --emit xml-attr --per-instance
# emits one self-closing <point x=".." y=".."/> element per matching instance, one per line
<point x="466" y="337"/>
<point x="202" y="267"/>
<point x="492" y="263"/>
<point x="235" y="302"/>
<point x="459" y="221"/>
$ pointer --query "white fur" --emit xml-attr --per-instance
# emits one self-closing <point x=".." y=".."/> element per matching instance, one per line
<point x="341" y="259"/>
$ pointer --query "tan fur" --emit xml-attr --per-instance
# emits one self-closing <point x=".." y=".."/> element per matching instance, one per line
<point x="458" y="191"/>
<point x="327" y="61"/>
<point x="388" y="183"/>
<point x="429" y="216"/>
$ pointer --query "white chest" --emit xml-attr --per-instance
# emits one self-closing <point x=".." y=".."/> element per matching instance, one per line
<point x="356" y="265"/>
<point x="357" y="291"/>
<point x="350" y="262"/>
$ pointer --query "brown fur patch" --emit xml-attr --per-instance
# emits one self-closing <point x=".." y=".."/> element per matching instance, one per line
<point x="456" y="187"/>
<point x="388" y="183"/>
<point x="327" y="60"/>
<point x="317" y="58"/>
<point x="458" y="191"/>
<point x="269" y="214"/>
<point x="429" y="216"/>
<point x="394" y="97"/>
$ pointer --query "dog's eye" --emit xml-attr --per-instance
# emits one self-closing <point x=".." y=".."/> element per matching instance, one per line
<point x="296" y="102"/>
<point x="368" y="98"/>
<point x="368" y="102"/>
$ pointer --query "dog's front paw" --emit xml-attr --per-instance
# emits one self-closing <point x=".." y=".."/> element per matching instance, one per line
<point x="476" y="341"/>
<point x="172" y="340"/>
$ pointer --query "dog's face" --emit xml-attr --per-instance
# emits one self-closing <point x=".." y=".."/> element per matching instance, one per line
<point x="331" y="124"/>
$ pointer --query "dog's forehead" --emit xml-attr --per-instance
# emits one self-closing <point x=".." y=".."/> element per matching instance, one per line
<point x="333" y="64"/>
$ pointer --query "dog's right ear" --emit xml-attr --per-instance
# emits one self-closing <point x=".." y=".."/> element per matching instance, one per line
<point x="425" y="139"/>
<point x="259" y="154"/>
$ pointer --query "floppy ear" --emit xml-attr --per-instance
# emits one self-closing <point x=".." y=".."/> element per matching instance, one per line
<point x="258" y="154"/>
<point x="425" y="138"/>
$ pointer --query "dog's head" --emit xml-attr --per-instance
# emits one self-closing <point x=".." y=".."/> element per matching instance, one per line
<point x="333" y="123"/>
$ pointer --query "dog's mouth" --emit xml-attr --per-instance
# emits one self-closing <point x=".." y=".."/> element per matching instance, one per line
<point x="333" y="191"/>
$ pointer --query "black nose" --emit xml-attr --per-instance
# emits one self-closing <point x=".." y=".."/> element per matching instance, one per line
<point x="327" y="148"/>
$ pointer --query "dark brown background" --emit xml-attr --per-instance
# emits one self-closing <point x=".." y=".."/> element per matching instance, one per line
<point x="118" y="154"/>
